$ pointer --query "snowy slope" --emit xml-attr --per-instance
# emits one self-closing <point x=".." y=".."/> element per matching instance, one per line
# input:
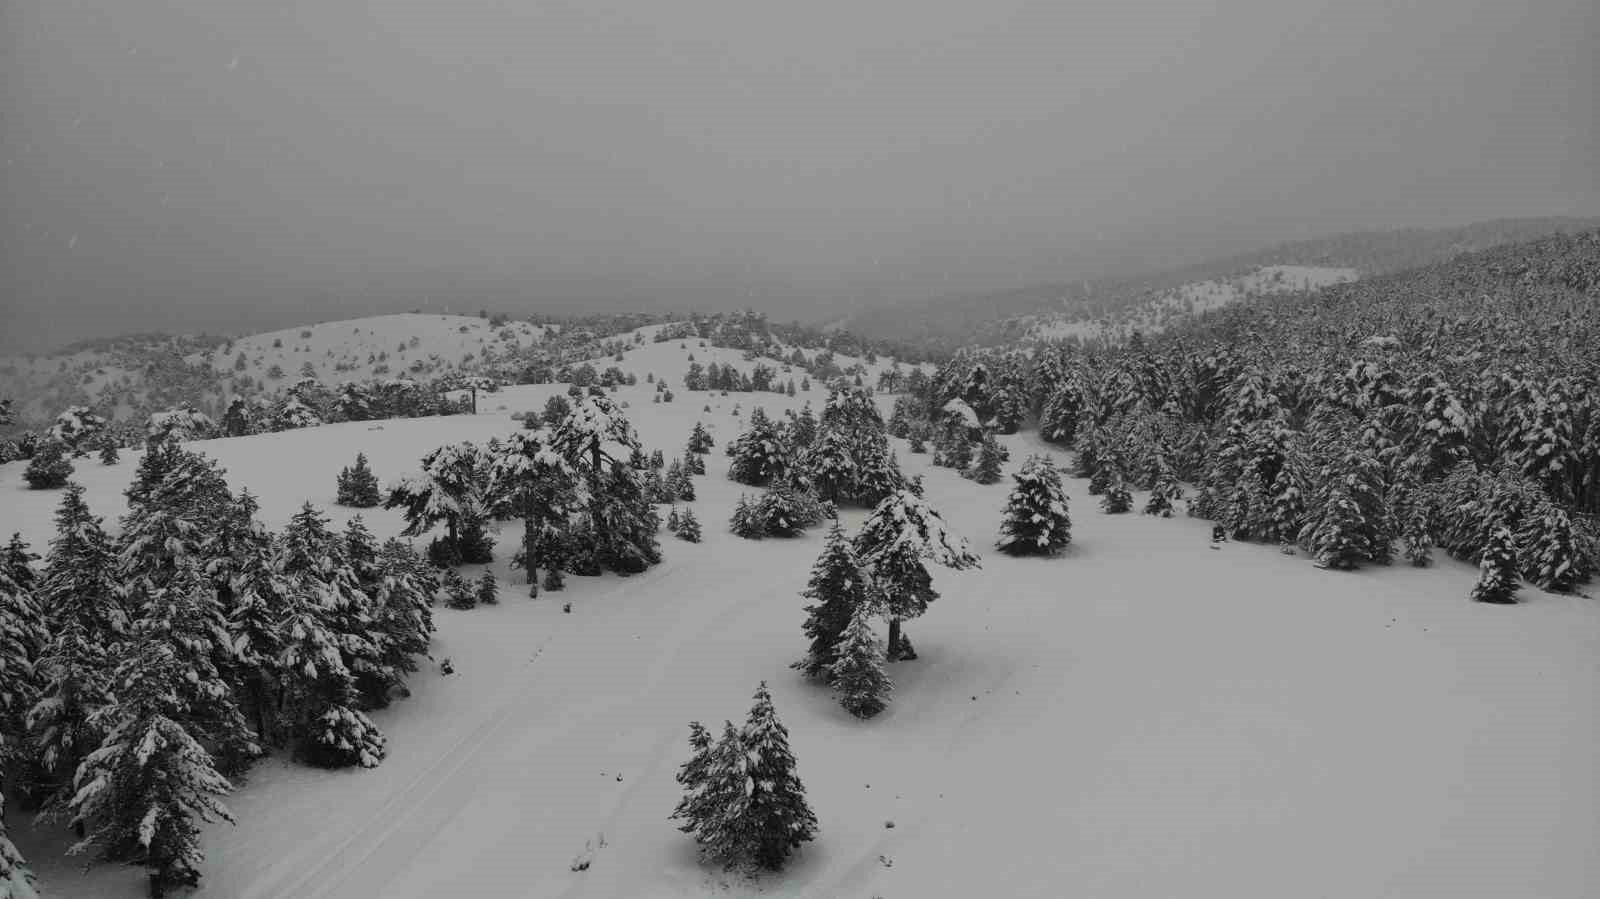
<point x="443" y="339"/>
<point x="1141" y="717"/>
<point x="1197" y="298"/>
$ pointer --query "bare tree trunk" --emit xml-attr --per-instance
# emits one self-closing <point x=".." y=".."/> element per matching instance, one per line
<point x="893" y="651"/>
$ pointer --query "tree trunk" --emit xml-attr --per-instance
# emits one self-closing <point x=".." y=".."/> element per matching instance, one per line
<point x="893" y="651"/>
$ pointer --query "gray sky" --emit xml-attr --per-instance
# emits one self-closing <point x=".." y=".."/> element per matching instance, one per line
<point x="227" y="165"/>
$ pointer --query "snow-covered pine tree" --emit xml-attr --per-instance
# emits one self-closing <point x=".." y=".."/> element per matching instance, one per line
<point x="1497" y="577"/>
<point x="183" y="614"/>
<point x="700" y="440"/>
<point x="837" y="587"/>
<point x="783" y="512"/>
<point x="1036" y="519"/>
<point x="692" y="777"/>
<point x="109" y="454"/>
<point x="1116" y="499"/>
<point x="672" y="519"/>
<point x="689" y="527"/>
<point x="685" y="492"/>
<point x="402" y="618"/>
<point x="79" y="581"/>
<point x="1548" y="546"/>
<point x="458" y="593"/>
<point x="23" y="639"/>
<point x="16" y="881"/>
<point x="895" y="544"/>
<point x="744" y="521"/>
<point x="985" y="469"/>
<point x="49" y="468"/>
<point x="358" y="486"/>
<point x="716" y="809"/>
<point x="778" y="819"/>
<point x="327" y="633"/>
<point x="829" y="465"/>
<point x="531" y="480"/>
<point x="693" y="463"/>
<point x="488" y="594"/>
<point x="857" y="668"/>
<point x="760" y="455"/>
<point x="142" y="794"/>
<point x="260" y="598"/>
<point x="1348" y="521"/>
<point x="449" y="488"/>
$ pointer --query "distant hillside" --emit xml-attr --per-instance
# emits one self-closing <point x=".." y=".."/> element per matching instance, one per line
<point x="127" y="377"/>
<point x="1010" y="315"/>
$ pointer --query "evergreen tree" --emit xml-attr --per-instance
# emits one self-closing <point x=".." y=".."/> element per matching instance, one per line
<point x="49" y="468"/>
<point x="1162" y="493"/>
<point x="109" y="455"/>
<point x="1497" y="579"/>
<point x="450" y="488"/>
<point x="895" y="544"/>
<point x="488" y="593"/>
<point x="689" y="527"/>
<point x="327" y="633"/>
<point x="986" y="467"/>
<point x="760" y="454"/>
<point x="777" y="817"/>
<point x="143" y="793"/>
<point x="837" y="588"/>
<point x="1117" y="498"/>
<point x="1549" y="547"/>
<point x="744" y="521"/>
<point x="16" y="881"/>
<point x="693" y="463"/>
<point x="700" y="440"/>
<point x="692" y="777"/>
<point x="857" y="670"/>
<point x="715" y="808"/>
<point x="1036" y="520"/>
<point x="358" y="486"/>
<point x="22" y="641"/>
<point x="672" y="519"/>
<point x="458" y="593"/>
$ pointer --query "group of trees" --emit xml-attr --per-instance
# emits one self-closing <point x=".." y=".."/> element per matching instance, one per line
<point x="1453" y="407"/>
<point x="809" y="464"/>
<point x="140" y="672"/>
<point x="585" y="504"/>
<point x="882" y="572"/>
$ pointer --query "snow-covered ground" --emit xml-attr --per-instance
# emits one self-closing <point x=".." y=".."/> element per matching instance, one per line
<point x="1141" y="717"/>
<point x="1197" y="298"/>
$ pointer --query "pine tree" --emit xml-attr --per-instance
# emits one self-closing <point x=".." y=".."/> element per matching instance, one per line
<point x="672" y="519"/>
<point x="777" y="817"/>
<point x="744" y="521"/>
<point x="895" y="544"/>
<point x="700" y="440"/>
<point x="488" y="593"/>
<point x="16" y="881"/>
<point x="458" y="593"/>
<point x="109" y="455"/>
<point x="857" y="669"/>
<point x="716" y="809"/>
<point x="1497" y="579"/>
<point x="1549" y="547"/>
<point x="693" y="463"/>
<point x="1036" y="520"/>
<point x="689" y="527"/>
<point x="837" y="588"/>
<point x="450" y="488"/>
<point x="760" y="455"/>
<point x="23" y="638"/>
<point x="692" y="776"/>
<point x="49" y="468"/>
<point x="144" y="792"/>
<point x="358" y="486"/>
<point x="327" y="632"/>
<point x="1117" y="499"/>
<point x="986" y="467"/>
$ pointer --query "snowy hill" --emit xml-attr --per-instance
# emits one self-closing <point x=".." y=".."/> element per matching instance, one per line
<point x="1160" y="308"/>
<point x="362" y="348"/>
<point x="1140" y="717"/>
<point x="127" y="377"/>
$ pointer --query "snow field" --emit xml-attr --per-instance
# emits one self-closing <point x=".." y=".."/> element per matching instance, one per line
<point x="1141" y="716"/>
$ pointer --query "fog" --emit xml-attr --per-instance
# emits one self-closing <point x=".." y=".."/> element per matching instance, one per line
<point x="220" y="165"/>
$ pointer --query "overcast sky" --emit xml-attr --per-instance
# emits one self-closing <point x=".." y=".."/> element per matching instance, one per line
<point x="234" y="164"/>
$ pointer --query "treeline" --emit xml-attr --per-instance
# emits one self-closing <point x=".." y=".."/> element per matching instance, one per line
<point x="1455" y="407"/>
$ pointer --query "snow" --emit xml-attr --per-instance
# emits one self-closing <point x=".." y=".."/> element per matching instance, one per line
<point x="1140" y="716"/>
<point x="1197" y="298"/>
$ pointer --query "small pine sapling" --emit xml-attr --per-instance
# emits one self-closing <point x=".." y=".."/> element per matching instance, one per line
<point x="1497" y="577"/>
<point x="857" y="671"/>
<point x="488" y="590"/>
<point x="689" y="527"/>
<point x="458" y="593"/>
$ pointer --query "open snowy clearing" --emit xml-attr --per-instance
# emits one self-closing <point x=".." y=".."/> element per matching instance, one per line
<point x="1141" y="717"/>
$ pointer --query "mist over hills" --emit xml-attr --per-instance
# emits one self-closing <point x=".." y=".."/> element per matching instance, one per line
<point x="1000" y="316"/>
